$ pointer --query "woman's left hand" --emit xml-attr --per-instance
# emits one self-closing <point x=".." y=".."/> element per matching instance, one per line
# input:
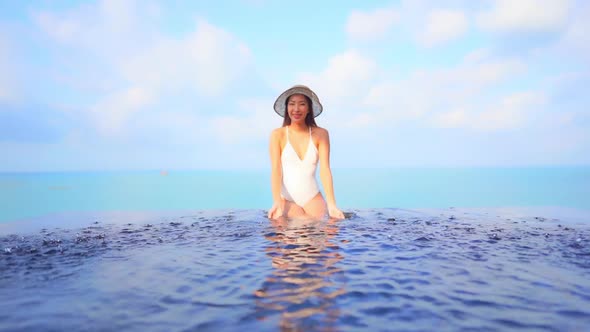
<point x="335" y="212"/>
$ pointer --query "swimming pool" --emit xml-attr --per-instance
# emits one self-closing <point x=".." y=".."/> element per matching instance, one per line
<point x="379" y="269"/>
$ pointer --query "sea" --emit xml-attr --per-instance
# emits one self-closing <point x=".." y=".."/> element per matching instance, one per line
<point x="420" y="249"/>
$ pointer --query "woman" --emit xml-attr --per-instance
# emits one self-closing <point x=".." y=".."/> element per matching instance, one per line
<point x="295" y="150"/>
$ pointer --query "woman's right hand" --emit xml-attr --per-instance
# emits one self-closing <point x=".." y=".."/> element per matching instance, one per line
<point x="276" y="211"/>
<point x="335" y="212"/>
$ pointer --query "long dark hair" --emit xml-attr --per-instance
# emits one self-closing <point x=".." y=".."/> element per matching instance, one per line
<point x="309" y="118"/>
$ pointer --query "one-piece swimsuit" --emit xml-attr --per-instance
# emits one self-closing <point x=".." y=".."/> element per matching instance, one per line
<point x="299" y="181"/>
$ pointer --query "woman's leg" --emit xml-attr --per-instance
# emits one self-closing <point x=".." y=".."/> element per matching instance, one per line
<point x="293" y="210"/>
<point x="316" y="207"/>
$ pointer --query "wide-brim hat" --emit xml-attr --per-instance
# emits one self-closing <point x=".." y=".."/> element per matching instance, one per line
<point x="298" y="89"/>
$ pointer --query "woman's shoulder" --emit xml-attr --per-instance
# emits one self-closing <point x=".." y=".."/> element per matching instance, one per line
<point x="319" y="131"/>
<point x="278" y="130"/>
<point x="277" y="133"/>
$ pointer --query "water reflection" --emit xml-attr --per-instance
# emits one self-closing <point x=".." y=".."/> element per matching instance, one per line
<point x="302" y="285"/>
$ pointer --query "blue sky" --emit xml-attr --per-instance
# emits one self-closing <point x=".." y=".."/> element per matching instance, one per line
<point x="134" y="85"/>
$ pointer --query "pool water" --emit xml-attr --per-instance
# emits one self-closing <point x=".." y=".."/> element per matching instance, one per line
<point x="379" y="270"/>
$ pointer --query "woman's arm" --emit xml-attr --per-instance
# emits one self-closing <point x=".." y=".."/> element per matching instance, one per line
<point x="276" y="174"/>
<point x="326" y="174"/>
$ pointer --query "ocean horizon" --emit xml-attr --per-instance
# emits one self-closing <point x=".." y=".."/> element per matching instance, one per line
<point x="35" y="194"/>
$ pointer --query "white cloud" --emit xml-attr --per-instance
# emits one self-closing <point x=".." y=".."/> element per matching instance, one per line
<point x="476" y="56"/>
<point x="112" y="112"/>
<point x="428" y="92"/>
<point x="174" y="127"/>
<point x="206" y="61"/>
<point x="371" y="26"/>
<point x="218" y="57"/>
<point x="63" y="30"/>
<point x="108" y="28"/>
<point x="576" y="36"/>
<point x="510" y="112"/>
<point x="525" y="15"/>
<point x="7" y="76"/>
<point x="349" y="84"/>
<point x="454" y="119"/>
<point x="483" y="74"/>
<point x="401" y="100"/>
<point x="12" y="69"/>
<point x="346" y="77"/>
<point x="443" y="25"/>
<point x="255" y="122"/>
<point x="123" y="38"/>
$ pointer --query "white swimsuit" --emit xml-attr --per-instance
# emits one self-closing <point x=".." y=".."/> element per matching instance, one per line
<point x="299" y="182"/>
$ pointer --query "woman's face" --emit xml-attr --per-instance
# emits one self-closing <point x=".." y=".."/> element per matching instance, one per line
<point x="297" y="107"/>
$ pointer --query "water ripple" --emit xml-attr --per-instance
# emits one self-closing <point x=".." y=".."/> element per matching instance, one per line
<point x="379" y="269"/>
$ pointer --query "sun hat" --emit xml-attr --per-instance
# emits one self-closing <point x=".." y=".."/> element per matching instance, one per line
<point x="298" y="89"/>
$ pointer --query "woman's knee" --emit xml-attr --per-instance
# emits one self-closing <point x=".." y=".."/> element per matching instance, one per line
<point x="293" y="210"/>
<point x="316" y="208"/>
